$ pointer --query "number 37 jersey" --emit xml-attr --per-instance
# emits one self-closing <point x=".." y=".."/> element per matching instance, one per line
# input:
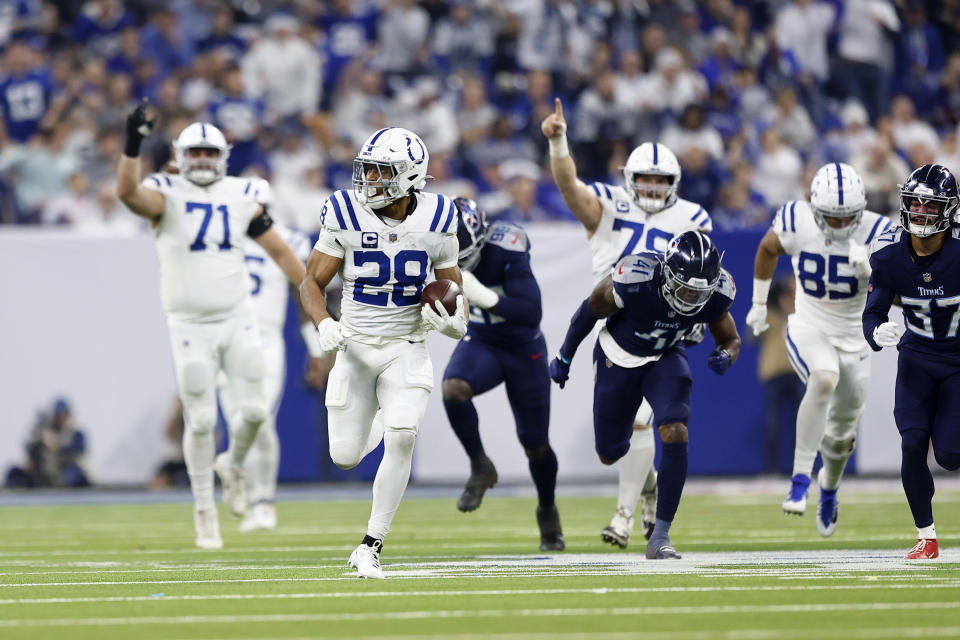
<point x="830" y="296"/>
<point x="385" y="266"/>
<point x="200" y="240"/>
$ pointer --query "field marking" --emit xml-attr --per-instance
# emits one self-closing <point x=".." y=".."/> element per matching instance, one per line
<point x="483" y="613"/>
<point x="907" y="584"/>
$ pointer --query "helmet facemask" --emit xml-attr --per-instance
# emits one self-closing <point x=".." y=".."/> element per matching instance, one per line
<point x="924" y="214"/>
<point x="840" y="232"/>
<point x="686" y="297"/>
<point x="651" y="195"/>
<point x="201" y="168"/>
<point x="376" y="183"/>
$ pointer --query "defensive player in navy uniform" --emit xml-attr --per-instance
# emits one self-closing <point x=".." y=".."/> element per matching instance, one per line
<point x="503" y="344"/>
<point x="919" y="263"/>
<point x="650" y="301"/>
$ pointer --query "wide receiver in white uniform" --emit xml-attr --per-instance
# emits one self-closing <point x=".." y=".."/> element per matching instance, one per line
<point x="200" y="218"/>
<point x="269" y="289"/>
<point x="642" y="215"/>
<point x="826" y="239"/>
<point x="384" y="238"/>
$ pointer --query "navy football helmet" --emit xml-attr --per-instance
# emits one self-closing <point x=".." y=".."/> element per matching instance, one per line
<point x="928" y="200"/>
<point x="691" y="271"/>
<point x="471" y="232"/>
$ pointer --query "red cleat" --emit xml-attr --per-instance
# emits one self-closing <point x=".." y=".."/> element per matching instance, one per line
<point x="924" y="550"/>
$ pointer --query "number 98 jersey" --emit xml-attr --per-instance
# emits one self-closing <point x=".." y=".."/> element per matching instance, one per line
<point x="200" y="241"/>
<point x="386" y="265"/>
<point x="830" y="295"/>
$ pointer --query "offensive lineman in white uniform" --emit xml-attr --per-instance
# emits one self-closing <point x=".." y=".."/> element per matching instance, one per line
<point x="269" y="291"/>
<point x="642" y="215"/>
<point x="384" y="237"/>
<point x="200" y="218"/>
<point x="826" y="239"/>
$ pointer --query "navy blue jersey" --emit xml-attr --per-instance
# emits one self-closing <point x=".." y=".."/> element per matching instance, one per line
<point x="928" y="288"/>
<point x="646" y="325"/>
<point x="504" y="266"/>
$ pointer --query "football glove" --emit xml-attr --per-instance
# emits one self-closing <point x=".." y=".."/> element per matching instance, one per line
<point x="859" y="259"/>
<point x="436" y="317"/>
<point x="138" y="128"/>
<point x="757" y="318"/>
<point x="888" y="334"/>
<point x="560" y="369"/>
<point x="331" y="336"/>
<point x="719" y="361"/>
<point x="477" y="293"/>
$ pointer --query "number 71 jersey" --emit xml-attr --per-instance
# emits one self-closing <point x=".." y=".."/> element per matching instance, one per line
<point x="200" y="240"/>
<point x="385" y="266"/>
<point x="830" y="296"/>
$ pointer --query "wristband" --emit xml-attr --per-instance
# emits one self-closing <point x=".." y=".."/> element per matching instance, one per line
<point x="563" y="359"/>
<point x="131" y="148"/>
<point x="558" y="146"/>
<point x="309" y="334"/>
<point x="761" y="289"/>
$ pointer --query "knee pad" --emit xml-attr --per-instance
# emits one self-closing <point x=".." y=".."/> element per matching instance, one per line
<point x="673" y="432"/>
<point x="345" y="453"/>
<point x="251" y="364"/>
<point x="399" y="440"/>
<point x="196" y="378"/>
<point x="611" y="453"/>
<point x="822" y="383"/>
<point x="538" y="453"/>
<point x="253" y="412"/>
<point x="837" y="449"/>
<point x="200" y="420"/>
<point x="948" y="460"/>
<point x="915" y="441"/>
<point x="402" y="416"/>
<point x="456" y="390"/>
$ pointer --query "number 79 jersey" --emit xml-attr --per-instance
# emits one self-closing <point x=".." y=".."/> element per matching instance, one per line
<point x="830" y="296"/>
<point x="385" y="266"/>
<point x="200" y="242"/>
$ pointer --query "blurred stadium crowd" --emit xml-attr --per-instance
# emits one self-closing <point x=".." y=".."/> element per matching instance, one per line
<point x="752" y="96"/>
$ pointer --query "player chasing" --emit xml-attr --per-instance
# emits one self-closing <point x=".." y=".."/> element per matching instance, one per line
<point x="200" y="218"/>
<point x="383" y="237"/>
<point x="826" y="239"/>
<point x="919" y="263"/>
<point x="503" y="345"/>
<point x="650" y="302"/>
<point x="642" y="215"/>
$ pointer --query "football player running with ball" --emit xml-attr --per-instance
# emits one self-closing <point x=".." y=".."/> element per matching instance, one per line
<point x="650" y="302"/>
<point x="826" y="239"/>
<point x="200" y="218"/>
<point x="919" y="263"/>
<point x="384" y="237"/>
<point x="504" y="344"/>
<point x="642" y="215"/>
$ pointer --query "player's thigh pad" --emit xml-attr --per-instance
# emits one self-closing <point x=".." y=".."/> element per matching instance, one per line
<point x="475" y="362"/>
<point x="667" y="384"/>
<point x="809" y="350"/>
<point x="850" y="397"/>
<point x="916" y="391"/>
<point x="528" y="390"/>
<point x="404" y="385"/>
<point x="243" y="363"/>
<point x="616" y="398"/>
<point x="195" y="361"/>
<point x="351" y="401"/>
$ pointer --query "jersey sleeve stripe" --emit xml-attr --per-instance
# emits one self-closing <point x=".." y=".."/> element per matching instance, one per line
<point x="607" y="191"/>
<point x="167" y="178"/>
<point x="247" y="190"/>
<point x="154" y="178"/>
<point x="336" y="210"/>
<point x="705" y="222"/>
<point x="697" y="214"/>
<point x="350" y="212"/>
<point x="450" y="217"/>
<point x="793" y="218"/>
<point x="595" y="188"/>
<point x="873" y="231"/>
<point x="436" y="214"/>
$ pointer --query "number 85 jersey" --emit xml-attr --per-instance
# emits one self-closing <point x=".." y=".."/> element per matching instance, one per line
<point x="830" y="296"/>
<point x="386" y="265"/>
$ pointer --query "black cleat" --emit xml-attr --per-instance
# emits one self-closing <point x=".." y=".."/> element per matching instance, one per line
<point x="551" y="535"/>
<point x="483" y="475"/>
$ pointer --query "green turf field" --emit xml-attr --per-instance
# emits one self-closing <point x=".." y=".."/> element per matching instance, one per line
<point x="749" y="572"/>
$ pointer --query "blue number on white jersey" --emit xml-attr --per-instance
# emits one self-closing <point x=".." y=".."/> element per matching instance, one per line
<point x="813" y="268"/>
<point x="404" y="281"/>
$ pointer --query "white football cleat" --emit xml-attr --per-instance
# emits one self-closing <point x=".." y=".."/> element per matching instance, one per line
<point x="366" y="560"/>
<point x="231" y="479"/>
<point x="796" y="501"/>
<point x="648" y="509"/>
<point x="207" y="526"/>
<point x="618" y="531"/>
<point x="260" y="517"/>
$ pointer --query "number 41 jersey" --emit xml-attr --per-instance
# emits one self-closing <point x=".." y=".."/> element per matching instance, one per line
<point x="830" y="297"/>
<point x="385" y="265"/>
<point x="200" y="240"/>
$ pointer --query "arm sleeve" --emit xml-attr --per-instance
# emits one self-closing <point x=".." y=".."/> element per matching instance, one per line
<point x="327" y="243"/>
<point x="520" y="302"/>
<point x="879" y="299"/>
<point x="580" y="326"/>
<point x="448" y="253"/>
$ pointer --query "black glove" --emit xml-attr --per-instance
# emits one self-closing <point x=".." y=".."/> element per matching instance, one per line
<point x="138" y="128"/>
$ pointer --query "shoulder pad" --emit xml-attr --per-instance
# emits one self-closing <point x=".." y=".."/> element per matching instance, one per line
<point x="602" y="191"/>
<point x="338" y="212"/>
<point x="636" y="268"/>
<point x="444" y="213"/>
<point x="785" y="221"/>
<point x="889" y="237"/>
<point x="699" y="217"/>
<point x="726" y="286"/>
<point x="508" y="236"/>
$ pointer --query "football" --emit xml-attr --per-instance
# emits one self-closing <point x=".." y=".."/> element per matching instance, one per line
<point x="446" y="291"/>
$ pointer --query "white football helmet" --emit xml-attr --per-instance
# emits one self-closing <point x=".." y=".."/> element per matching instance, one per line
<point x="201" y="171"/>
<point x="837" y="192"/>
<point x="399" y="159"/>
<point x="652" y="159"/>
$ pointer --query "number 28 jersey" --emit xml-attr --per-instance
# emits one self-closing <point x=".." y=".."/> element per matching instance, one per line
<point x="385" y="266"/>
<point x="830" y="297"/>
<point x="200" y="242"/>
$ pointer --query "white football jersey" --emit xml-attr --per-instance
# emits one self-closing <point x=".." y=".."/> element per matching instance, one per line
<point x="385" y="266"/>
<point x="625" y="228"/>
<point x="200" y="241"/>
<point x="830" y="296"/>
<point x="269" y="286"/>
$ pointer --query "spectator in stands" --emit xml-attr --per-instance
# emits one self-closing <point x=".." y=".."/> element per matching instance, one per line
<point x="423" y="107"/>
<point x="867" y="32"/>
<point x="98" y="26"/>
<point x="791" y="121"/>
<point x="739" y="205"/>
<point x="881" y="170"/>
<point x="402" y="46"/>
<point x="222" y="40"/>
<point x="161" y="38"/>
<point x="919" y="57"/>
<point x="238" y="117"/>
<point x="38" y="170"/>
<point x="802" y="27"/>
<point x="947" y="112"/>
<point x="520" y="204"/>
<point x="55" y="453"/>
<point x="910" y="132"/>
<point x="25" y="92"/>
<point x="598" y="128"/>
<point x="857" y="136"/>
<point x="349" y="31"/>
<point x="544" y="37"/>
<point x="779" y="169"/>
<point x="463" y="40"/>
<point x="692" y="131"/>
<point x="747" y="46"/>
<point x="671" y="86"/>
